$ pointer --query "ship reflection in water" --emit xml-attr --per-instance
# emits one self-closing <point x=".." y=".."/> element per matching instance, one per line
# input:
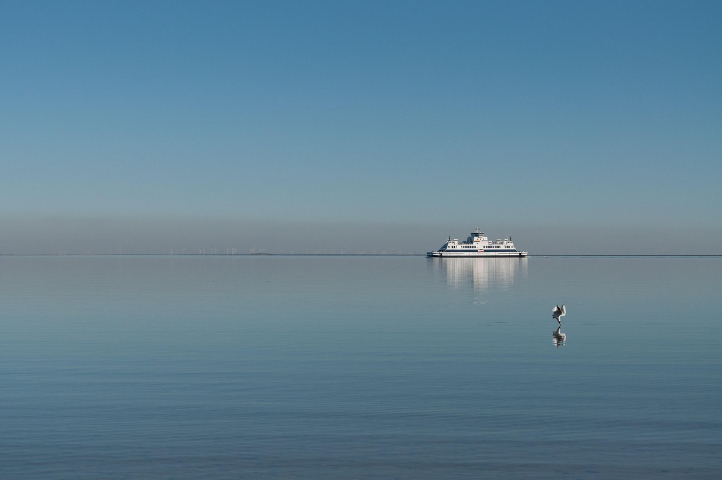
<point x="483" y="274"/>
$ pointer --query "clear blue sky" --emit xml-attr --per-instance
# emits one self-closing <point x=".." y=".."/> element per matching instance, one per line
<point x="577" y="127"/>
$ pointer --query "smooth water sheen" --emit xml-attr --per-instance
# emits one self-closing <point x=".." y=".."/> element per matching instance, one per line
<point x="359" y="367"/>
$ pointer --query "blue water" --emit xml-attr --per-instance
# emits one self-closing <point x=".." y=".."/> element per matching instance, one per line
<point x="359" y="367"/>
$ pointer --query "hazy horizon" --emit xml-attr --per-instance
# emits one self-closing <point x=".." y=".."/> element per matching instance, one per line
<point x="192" y="236"/>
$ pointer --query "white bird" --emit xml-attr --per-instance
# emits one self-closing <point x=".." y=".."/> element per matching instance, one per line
<point x="558" y="312"/>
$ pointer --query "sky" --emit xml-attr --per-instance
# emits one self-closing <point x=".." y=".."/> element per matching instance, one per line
<point x="371" y="126"/>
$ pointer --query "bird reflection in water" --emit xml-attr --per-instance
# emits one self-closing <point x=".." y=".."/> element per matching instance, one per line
<point x="559" y="337"/>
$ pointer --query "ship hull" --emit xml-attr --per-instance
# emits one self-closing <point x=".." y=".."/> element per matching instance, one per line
<point x="447" y="254"/>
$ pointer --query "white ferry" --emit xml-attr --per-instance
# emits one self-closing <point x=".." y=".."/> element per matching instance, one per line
<point x="477" y="245"/>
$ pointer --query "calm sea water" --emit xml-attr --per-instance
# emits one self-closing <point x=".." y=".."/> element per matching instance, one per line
<point x="359" y="367"/>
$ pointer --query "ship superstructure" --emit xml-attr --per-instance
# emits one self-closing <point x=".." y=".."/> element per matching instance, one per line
<point x="477" y="245"/>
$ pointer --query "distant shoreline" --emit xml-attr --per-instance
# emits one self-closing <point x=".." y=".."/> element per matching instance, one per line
<point x="631" y="255"/>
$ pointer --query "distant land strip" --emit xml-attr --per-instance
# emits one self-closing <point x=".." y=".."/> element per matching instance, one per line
<point x="629" y="255"/>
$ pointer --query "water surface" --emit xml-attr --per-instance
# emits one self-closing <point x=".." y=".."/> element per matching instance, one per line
<point x="359" y="367"/>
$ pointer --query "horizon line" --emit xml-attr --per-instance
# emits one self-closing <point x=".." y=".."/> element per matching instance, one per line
<point x="622" y="255"/>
